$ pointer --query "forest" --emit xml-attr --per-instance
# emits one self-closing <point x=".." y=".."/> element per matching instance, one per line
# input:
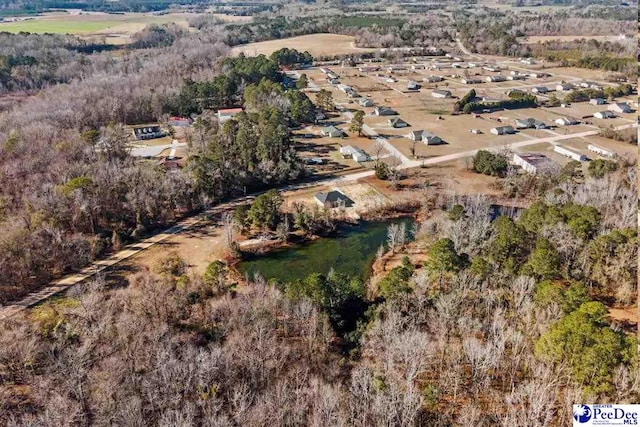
<point x="490" y="317"/>
<point x="502" y="324"/>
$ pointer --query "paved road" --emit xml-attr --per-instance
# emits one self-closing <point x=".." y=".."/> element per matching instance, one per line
<point x="67" y="282"/>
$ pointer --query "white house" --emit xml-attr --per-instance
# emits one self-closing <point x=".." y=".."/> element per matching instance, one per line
<point x="604" y="115"/>
<point x="433" y="79"/>
<point x="620" y="107"/>
<point x="565" y="121"/>
<point x="569" y="153"/>
<point x="597" y="101"/>
<point x="441" y="93"/>
<point x="496" y="78"/>
<point x="470" y="81"/>
<point x="331" y="132"/>
<point x="503" y="130"/>
<point x="534" y="162"/>
<point x="564" y="87"/>
<point x="540" y="89"/>
<point x="226" y="114"/>
<point x="355" y="153"/>
<point x="601" y="151"/>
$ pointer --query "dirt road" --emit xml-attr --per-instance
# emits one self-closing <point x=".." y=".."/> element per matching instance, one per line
<point x="67" y="282"/>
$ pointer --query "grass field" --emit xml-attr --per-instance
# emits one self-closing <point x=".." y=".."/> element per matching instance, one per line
<point x="316" y="44"/>
<point x="116" y="28"/>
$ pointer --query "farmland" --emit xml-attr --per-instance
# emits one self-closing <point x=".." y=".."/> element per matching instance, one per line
<point x="116" y="28"/>
<point x="316" y="44"/>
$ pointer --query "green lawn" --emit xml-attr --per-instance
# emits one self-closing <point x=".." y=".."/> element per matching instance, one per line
<point x="57" y="26"/>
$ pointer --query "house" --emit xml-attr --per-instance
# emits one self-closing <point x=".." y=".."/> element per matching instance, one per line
<point x="331" y="132"/>
<point x="496" y="78"/>
<point x="620" y="107"/>
<point x="415" y="135"/>
<point x="324" y="70"/>
<point x="604" y="115"/>
<point x="333" y="81"/>
<point x="601" y="151"/>
<point x="492" y="68"/>
<point x="354" y="153"/>
<point x="384" y="111"/>
<point x="597" y="101"/>
<point x="440" y="93"/>
<point x="147" y="132"/>
<point x="540" y="89"/>
<point x="530" y="123"/>
<point x="320" y="116"/>
<point x="569" y="153"/>
<point x="534" y="162"/>
<point x="345" y="88"/>
<point x="179" y="121"/>
<point x="333" y="199"/>
<point x="433" y="79"/>
<point x="411" y="85"/>
<point x="517" y="77"/>
<point x="397" y="122"/>
<point x="169" y="163"/>
<point x="391" y="80"/>
<point x="366" y="102"/>
<point x="503" y="130"/>
<point x="226" y="114"/>
<point x="564" y="87"/>
<point x="565" y="121"/>
<point x="470" y="81"/>
<point x="539" y="75"/>
<point x="429" y="138"/>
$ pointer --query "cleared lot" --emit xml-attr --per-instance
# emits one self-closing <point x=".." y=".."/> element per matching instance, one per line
<point x="315" y="44"/>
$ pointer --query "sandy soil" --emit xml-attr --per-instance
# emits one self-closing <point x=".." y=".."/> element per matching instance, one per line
<point x="316" y="44"/>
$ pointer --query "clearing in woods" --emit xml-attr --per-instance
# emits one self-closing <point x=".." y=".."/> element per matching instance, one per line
<point x="316" y="44"/>
<point x="116" y="27"/>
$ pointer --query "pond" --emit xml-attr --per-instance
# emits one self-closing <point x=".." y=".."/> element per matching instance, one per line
<point x="351" y="251"/>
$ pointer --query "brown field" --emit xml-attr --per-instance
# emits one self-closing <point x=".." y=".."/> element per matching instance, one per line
<point x="315" y="44"/>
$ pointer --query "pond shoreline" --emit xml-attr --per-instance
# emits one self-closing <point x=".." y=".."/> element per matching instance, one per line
<point x="362" y="253"/>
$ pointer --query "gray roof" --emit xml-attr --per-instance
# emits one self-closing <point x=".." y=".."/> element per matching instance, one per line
<point x="333" y="197"/>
